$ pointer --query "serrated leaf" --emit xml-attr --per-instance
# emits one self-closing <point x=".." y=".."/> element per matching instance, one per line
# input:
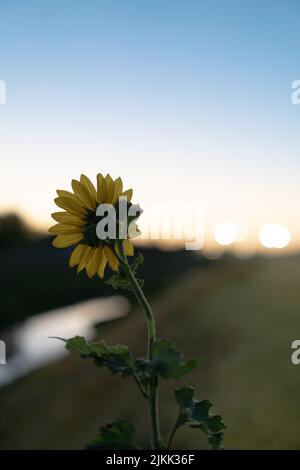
<point x="77" y="344"/>
<point x="195" y="413"/>
<point x="168" y="361"/>
<point x="215" y="423"/>
<point x="116" y="358"/>
<point x="118" y="435"/>
<point x="138" y="260"/>
<point x="201" y="411"/>
<point x="120" y="281"/>
<point x="215" y="441"/>
<point x="184" y="397"/>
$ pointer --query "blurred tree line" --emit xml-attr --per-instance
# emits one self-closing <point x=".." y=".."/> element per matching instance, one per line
<point x="13" y="231"/>
<point x="35" y="278"/>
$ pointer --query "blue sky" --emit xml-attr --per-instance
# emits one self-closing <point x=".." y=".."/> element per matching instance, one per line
<point x="183" y="99"/>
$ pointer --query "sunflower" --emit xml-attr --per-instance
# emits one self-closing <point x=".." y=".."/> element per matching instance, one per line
<point x="77" y="224"/>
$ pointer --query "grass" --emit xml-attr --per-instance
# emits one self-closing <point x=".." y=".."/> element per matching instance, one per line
<point x="241" y="316"/>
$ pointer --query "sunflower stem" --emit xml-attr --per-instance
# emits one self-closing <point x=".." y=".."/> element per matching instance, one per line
<point x="152" y="389"/>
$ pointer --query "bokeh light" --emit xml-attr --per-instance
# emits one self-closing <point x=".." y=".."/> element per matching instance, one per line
<point x="225" y="233"/>
<point x="274" y="236"/>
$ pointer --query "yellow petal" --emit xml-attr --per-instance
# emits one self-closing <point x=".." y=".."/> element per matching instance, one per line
<point x="60" y="229"/>
<point x="67" y="219"/>
<point x="89" y="186"/>
<point x="118" y="189"/>
<point x="62" y="241"/>
<point x="70" y="205"/>
<point x="110" y="189"/>
<point x="83" y="195"/>
<point x="128" y="194"/>
<point x="101" y="188"/>
<point x="94" y="262"/>
<point x="76" y="255"/>
<point x="63" y="193"/>
<point x="84" y="257"/>
<point x="111" y="258"/>
<point x="128" y="248"/>
<point x="101" y="268"/>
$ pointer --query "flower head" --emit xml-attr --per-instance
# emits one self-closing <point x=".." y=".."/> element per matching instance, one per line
<point x="77" y="224"/>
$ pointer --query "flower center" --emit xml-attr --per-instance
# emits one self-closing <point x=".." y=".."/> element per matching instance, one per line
<point x="116" y="219"/>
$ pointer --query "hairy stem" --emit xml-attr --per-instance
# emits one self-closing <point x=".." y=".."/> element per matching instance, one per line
<point x="152" y="389"/>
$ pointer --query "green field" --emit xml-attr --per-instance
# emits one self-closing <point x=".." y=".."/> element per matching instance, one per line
<point x="240" y="316"/>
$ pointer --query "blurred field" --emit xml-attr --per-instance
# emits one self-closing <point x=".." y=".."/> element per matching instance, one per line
<point x="241" y="316"/>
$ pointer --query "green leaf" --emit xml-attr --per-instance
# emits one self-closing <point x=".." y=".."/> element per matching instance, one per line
<point x="120" y="281"/>
<point x="138" y="260"/>
<point x="215" y="423"/>
<point x="117" y="359"/>
<point x="77" y="344"/>
<point x="184" y="397"/>
<point x="215" y="441"/>
<point x="195" y="413"/>
<point x="118" y="435"/>
<point x="201" y="411"/>
<point x="166" y="361"/>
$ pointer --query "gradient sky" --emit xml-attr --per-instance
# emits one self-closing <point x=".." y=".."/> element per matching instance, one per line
<point x="186" y="100"/>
